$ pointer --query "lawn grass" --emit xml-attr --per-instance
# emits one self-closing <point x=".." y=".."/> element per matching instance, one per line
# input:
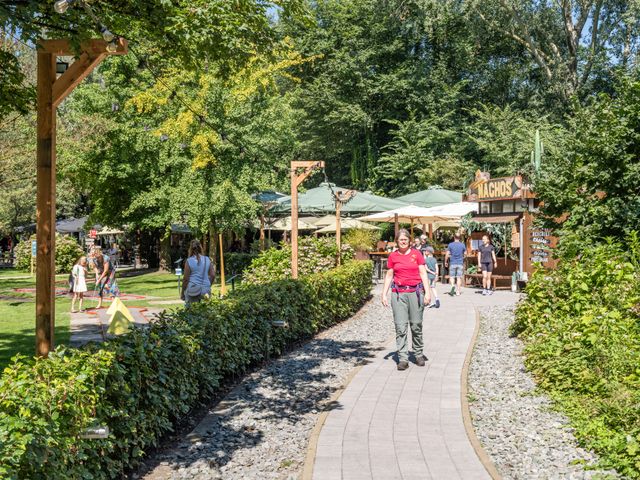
<point x="17" y="327"/>
<point x="155" y="284"/>
<point x="17" y="316"/>
<point x="12" y="272"/>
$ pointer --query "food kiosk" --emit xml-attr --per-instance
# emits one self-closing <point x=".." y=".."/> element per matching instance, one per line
<point x="510" y="200"/>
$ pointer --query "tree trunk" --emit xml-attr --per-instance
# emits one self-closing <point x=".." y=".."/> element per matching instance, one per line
<point x="212" y="248"/>
<point x="136" y="250"/>
<point x="165" y="253"/>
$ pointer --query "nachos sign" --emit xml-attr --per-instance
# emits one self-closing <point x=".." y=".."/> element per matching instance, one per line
<point x="485" y="189"/>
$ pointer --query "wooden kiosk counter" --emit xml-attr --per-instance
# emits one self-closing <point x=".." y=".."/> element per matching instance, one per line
<point x="510" y="200"/>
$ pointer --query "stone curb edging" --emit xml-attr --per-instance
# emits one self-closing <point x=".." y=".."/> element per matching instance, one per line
<point x="466" y="413"/>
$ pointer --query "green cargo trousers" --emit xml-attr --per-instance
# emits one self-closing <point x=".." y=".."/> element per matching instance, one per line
<point x="406" y="311"/>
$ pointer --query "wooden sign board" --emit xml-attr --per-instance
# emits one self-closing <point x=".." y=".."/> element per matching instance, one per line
<point x="486" y="189"/>
<point x="538" y="245"/>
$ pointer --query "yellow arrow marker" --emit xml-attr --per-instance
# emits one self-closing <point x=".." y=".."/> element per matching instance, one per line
<point x="121" y="318"/>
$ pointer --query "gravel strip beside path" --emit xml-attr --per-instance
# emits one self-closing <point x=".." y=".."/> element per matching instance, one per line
<point x="261" y="429"/>
<point x="516" y="426"/>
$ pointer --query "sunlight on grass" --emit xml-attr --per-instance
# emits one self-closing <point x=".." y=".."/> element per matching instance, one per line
<point x="17" y="309"/>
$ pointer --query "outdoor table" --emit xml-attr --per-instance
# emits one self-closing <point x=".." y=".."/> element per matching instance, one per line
<point x="379" y="262"/>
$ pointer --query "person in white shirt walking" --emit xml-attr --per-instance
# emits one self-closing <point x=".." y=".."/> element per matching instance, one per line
<point x="78" y="274"/>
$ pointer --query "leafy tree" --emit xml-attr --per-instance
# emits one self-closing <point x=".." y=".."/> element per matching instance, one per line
<point x="503" y="137"/>
<point x="593" y="185"/>
<point x="194" y="32"/>
<point x="395" y="85"/>
<point x="573" y="43"/>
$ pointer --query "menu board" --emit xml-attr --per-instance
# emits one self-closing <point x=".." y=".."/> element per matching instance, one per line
<point x="540" y="245"/>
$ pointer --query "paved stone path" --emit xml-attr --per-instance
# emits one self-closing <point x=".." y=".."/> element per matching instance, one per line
<point x="408" y="425"/>
<point x="92" y="324"/>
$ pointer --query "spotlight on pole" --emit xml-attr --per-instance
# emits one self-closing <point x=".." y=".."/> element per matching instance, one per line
<point x="61" y="6"/>
<point x="112" y="46"/>
<point x="106" y="34"/>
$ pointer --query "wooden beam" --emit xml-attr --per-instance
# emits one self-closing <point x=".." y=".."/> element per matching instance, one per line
<point x="45" y="205"/>
<point x="338" y="231"/>
<point x="61" y="48"/>
<point x="262" y="232"/>
<point x="341" y="198"/>
<point x="78" y="71"/>
<point x="50" y="93"/>
<point x="296" y="179"/>
<point x="294" y="223"/>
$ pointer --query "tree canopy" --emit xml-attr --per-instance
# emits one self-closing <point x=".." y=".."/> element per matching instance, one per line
<point x="215" y="98"/>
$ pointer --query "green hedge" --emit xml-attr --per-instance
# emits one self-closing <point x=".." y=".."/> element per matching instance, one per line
<point x="140" y="384"/>
<point x="581" y="327"/>
<point x="314" y="255"/>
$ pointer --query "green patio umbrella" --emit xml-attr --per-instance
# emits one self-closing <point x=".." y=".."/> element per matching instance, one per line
<point x="432" y="197"/>
<point x="320" y="200"/>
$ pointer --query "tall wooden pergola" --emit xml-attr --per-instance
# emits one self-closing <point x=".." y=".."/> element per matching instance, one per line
<point x="51" y="91"/>
<point x="297" y="177"/>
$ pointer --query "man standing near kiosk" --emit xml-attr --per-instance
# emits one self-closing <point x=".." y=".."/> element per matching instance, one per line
<point x="454" y="259"/>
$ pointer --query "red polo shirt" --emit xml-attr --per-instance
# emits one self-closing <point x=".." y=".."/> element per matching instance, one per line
<point x="405" y="267"/>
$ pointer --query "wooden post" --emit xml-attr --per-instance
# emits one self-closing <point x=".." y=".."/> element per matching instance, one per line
<point x="45" y="205"/>
<point x="431" y="231"/>
<point x="296" y="180"/>
<point x="223" y="287"/>
<point x="338" y="231"/>
<point x="411" y="236"/>
<point x="341" y="198"/>
<point x="262" y="232"/>
<point x="396" y="225"/>
<point x="51" y="92"/>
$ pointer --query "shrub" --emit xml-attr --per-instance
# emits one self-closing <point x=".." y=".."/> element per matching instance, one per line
<point x="581" y="327"/>
<point x="141" y="383"/>
<point x="314" y="255"/>
<point x="236" y="263"/>
<point x="362" y="240"/>
<point x="67" y="252"/>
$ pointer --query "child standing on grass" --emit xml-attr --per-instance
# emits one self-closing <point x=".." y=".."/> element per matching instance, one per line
<point x="431" y="264"/>
<point x="79" y="283"/>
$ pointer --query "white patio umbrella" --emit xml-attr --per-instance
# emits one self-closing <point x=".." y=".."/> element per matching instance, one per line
<point x="347" y="224"/>
<point x="408" y="214"/>
<point x="110" y="231"/>
<point x="284" y="224"/>
<point x="324" y="221"/>
<point x="454" y="210"/>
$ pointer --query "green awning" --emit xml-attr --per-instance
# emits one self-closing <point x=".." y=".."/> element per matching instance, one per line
<point x="321" y="200"/>
<point x="431" y="197"/>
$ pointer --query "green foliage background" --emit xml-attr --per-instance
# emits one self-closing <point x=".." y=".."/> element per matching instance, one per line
<point x="581" y="327"/>
<point x="315" y="255"/>
<point x="68" y="251"/>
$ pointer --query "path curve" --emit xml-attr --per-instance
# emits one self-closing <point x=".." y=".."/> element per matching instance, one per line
<point x="409" y="425"/>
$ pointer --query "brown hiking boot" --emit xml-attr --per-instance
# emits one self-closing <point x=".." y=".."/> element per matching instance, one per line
<point x="402" y="365"/>
<point x="421" y="360"/>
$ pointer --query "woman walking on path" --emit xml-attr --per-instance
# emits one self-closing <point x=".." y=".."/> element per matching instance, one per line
<point x="198" y="275"/>
<point x="105" y="275"/>
<point x="407" y="278"/>
<point x="78" y="274"/>
<point x="487" y="261"/>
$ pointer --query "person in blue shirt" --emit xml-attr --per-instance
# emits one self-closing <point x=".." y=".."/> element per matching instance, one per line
<point x="454" y="260"/>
